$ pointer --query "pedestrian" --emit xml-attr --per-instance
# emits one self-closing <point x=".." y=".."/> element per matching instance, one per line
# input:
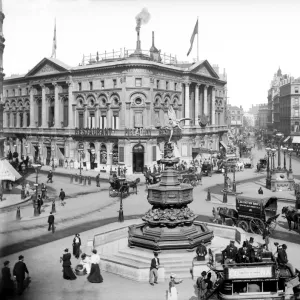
<point x="98" y="180"/>
<point x="208" y="282"/>
<point x="44" y="190"/>
<point x="200" y="177"/>
<point x="27" y="189"/>
<point x="201" y="252"/>
<point x="283" y="259"/>
<point x="51" y="222"/>
<point x="62" y="196"/>
<point x="201" y="286"/>
<point x="172" y="292"/>
<point x="19" y="271"/>
<point x="50" y="177"/>
<point x="266" y="236"/>
<point x="260" y="191"/>
<point x="154" y="269"/>
<point x="39" y="203"/>
<point x="95" y="274"/>
<point x="67" y="270"/>
<point x="7" y="282"/>
<point x="76" y="245"/>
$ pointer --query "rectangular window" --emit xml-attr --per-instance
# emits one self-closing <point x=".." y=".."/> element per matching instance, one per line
<point x="102" y="122"/>
<point x="27" y="91"/>
<point x="80" y="119"/>
<point x="138" y="82"/>
<point x="20" y="92"/>
<point x="154" y="153"/>
<point x="175" y="86"/>
<point x="8" y="120"/>
<point x="21" y="120"/>
<point x="15" y="120"/>
<point x="66" y="115"/>
<point x="102" y="84"/>
<point x="79" y="86"/>
<point x="28" y="119"/>
<point x="91" y="120"/>
<point x="296" y="113"/>
<point x="14" y="92"/>
<point x="296" y="89"/>
<point x="115" y="83"/>
<point x="138" y="120"/>
<point x="91" y="85"/>
<point x="40" y="115"/>
<point x="167" y="85"/>
<point x="157" y="84"/>
<point x="7" y="94"/>
<point x="121" y="154"/>
<point x="115" y="122"/>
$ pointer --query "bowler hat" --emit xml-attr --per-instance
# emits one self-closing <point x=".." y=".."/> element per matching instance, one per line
<point x="21" y="257"/>
<point x="203" y="273"/>
<point x="6" y="263"/>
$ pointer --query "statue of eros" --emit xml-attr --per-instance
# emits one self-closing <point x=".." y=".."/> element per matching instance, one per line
<point x="173" y="122"/>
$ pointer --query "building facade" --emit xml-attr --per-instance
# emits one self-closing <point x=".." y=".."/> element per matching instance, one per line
<point x="262" y="116"/>
<point x="2" y="40"/>
<point x="115" y="107"/>
<point x="235" y="117"/>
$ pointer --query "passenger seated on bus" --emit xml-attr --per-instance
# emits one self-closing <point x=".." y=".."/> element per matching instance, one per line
<point x="241" y="256"/>
<point x="253" y="288"/>
<point x="283" y="260"/>
<point x="229" y="254"/>
<point x="250" y="250"/>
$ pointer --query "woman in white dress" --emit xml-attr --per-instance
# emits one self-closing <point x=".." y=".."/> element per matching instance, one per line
<point x="172" y="292"/>
<point x="86" y="263"/>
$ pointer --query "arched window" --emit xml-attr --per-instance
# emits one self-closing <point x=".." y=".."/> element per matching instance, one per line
<point x="103" y="154"/>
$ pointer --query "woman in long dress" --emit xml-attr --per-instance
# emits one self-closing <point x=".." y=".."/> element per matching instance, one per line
<point x="86" y="263"/>
<point x="95" y="275"/>
<point x="76" y="245"/>
<point x="67" y="270"/>
<point x="172" y="292"/>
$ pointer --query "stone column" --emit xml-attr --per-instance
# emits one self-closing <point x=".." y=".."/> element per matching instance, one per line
<point x="32" y="109"/>
<point x="205" y="100"/>
<point x="213" y="109"/>
<point x="97" y="117"/>
<point x="56" y="106"/>
<point x="70" y="105"/>
<point x="196" y="103"/>
<point x="18" y="119"/>
<point x="187" y="102"/>
<point x="122" y="113"/>
<point x="44" y="107"/>
<point x="24" y="119"/>
<point x="4" y="120"/>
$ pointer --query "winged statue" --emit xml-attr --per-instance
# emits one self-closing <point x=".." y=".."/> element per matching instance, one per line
<point x="173" y="122"/>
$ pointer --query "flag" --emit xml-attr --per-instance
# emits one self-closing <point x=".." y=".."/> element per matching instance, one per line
<point x="54" y="43"/>
<point x="193" y="36"/>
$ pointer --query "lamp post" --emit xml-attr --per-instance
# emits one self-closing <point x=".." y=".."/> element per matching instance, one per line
<point x="233" y="182"/>
<point x="225" y="184"/>
<point x="273" y="158"/>
<point x="268" y="180"/>
<point x="290" y="151"/>
<point x="37" y="167"/>
<point x="121" y="215"/>
<point x="111" y="158"/>
<point x="284" y="149"/>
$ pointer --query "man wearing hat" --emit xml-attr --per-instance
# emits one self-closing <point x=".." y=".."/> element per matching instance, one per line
<point x="241" y="256"/>
<point x="201" y="251"/>
<point x="19" y="273"/>
<point x="7" y="282"/>
<point x="250" y="250"/>
<point x="51" y="222"/>
<point x="154" y="269"/>
<point x="229" y="254"/>
<point x="202" y="286"/>
<point x="282" y="259"/>
<point x="76" y="245"/>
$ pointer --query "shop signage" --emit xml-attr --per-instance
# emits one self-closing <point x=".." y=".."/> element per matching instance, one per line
<point x="93" y="131"/>
<point x="137" y="132"/>
<point x="250" y="272"/>
<point x="166" y="132"/>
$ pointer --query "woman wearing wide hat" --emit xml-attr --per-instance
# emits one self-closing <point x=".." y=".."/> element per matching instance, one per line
<point x="172" y="292"/>
<point x="67" y="270"/>
<point x="76" y="245"/>
<point x="95" y="275"/>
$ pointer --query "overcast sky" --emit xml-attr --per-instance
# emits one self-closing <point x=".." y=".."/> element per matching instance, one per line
<point x="249" y="38"/>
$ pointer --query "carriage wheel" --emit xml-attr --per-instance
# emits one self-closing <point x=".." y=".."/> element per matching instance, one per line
<point x="257" y="226"/>
<point x="186" y="180"/>
<point x="272" y="226"/>
<point x="243" y="224"/>
<point x="112" y="192"/>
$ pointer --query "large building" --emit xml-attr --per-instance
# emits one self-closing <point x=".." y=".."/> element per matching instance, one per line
<point x="235" y="117"/>
<point x="262" y="116"/>
<point x="115" y="107"/>
<point x="2" y="40"/>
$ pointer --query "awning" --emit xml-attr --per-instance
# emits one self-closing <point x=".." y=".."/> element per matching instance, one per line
<point x="7" y="171"/>
<point x="223" y="144"/>
<point x="296" y="140"/>
<point x="286" y="139"/>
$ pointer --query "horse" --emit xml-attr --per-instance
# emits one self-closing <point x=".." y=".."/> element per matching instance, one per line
<point x="133" y="185"/>
<point x="224" y="213"/>
<point x="292" y="215"/>
<point x="239" y="166"/>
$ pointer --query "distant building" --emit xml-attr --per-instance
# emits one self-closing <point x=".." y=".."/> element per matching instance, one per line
<point x="262" y="116"/>
<point x="249" y="119"/>
<point x="235" y="118"/>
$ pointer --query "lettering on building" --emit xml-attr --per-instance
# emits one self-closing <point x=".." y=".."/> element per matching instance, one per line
<point x="137" y="132"/>
<point x="93" y="131"/>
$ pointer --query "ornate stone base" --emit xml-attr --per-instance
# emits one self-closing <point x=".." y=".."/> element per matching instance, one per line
<point x="282" y="180"/>
<point x="164" y="238"/>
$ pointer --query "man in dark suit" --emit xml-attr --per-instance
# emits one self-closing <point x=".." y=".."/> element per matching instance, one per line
<point x="19" y="272"/>
<point x="7" y="282"/>
<point x="154" y="269"/>
<point x="62" y="196"/>
<point x="201" y="252"/>
<point x="229" y="254"/>
<point x="51" y="222"/>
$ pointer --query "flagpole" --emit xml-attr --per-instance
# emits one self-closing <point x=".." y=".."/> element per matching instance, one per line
<point x="197" y="39"/>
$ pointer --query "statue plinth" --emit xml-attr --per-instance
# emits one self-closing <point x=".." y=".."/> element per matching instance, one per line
<point x="169" y="224"/>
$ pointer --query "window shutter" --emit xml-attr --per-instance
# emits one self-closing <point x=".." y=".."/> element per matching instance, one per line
<point x="121" y="154"/>
<point x="154" y="153"/>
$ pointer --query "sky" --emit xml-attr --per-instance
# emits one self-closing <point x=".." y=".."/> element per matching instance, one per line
<point x="249" y="38"/>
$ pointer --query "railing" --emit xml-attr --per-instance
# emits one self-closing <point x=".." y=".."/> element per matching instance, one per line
<point x="123" y="54"/>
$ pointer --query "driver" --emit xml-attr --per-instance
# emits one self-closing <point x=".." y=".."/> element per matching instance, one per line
<point x="282" y="259"/>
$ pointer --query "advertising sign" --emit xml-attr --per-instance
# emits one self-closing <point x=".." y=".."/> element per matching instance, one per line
<point x="250" y="272"/>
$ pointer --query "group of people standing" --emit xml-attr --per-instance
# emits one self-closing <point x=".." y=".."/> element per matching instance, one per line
<point x="89" y="264"/>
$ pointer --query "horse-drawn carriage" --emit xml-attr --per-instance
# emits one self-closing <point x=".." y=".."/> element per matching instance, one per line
<point x="251" y="214"/>
<point x="262" y="164"/>
<point x="121" y="186"/>
<point x="207" y="168"/>
<point x="152" y="178"/>
<point x="189" y="176"/>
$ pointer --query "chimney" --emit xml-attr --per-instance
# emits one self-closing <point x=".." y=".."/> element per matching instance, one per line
<point x="138" y="42"/>
<point x="152" y="38"/>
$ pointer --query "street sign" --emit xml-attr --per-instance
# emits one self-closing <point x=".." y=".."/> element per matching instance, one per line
<point x="36" y="184"/>
<point x="80" y="146"/>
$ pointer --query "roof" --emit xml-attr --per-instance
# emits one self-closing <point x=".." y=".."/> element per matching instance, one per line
<point x="59" y="63"/>
<point x="257" y="199"/>
<point x="7" y="171"/>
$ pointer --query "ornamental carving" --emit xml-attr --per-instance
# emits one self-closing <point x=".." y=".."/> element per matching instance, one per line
<point x="46" y="69"/>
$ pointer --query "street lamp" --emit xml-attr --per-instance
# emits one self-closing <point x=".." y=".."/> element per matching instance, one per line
<point x="121" y="215"/>
<point x="36" y="167"/>
<point x="284" y="149"/>
<point x="279" y="135"/>
<point x="273" y="158"/>
<point x="268" y="179"/>
<point x="225" y="184"/>
<point x="111" y="158"/>
<point x="290" y="150"/>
